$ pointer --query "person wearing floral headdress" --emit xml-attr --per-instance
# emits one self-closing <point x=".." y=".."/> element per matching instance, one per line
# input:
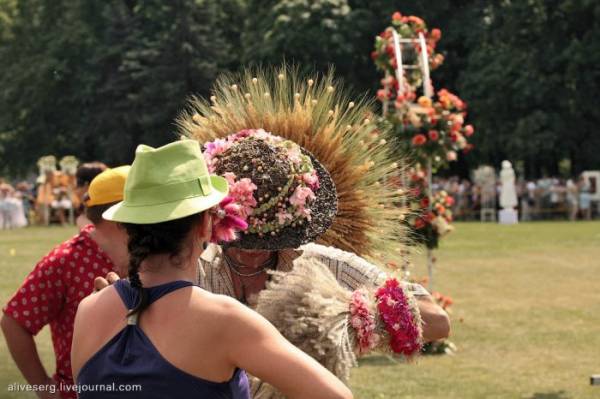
<point x="330" y="187"/>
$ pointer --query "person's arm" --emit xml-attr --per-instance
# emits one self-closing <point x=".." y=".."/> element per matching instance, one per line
<point x="354" y="272"/>
<point x="24" y="352"/>
<point x="25" y="316"/>
<point x="256" y="346"/>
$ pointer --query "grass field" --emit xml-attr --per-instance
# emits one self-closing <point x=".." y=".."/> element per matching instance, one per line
<point x="528" y="297"/>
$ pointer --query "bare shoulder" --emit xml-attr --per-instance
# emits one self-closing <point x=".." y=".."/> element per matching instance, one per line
<point x="226" y="312"/>
<point x="219" y="305"/>
<point x="103" y="303"/>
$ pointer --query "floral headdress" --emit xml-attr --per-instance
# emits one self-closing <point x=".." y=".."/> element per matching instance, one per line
<point x="275" y="185"/>
<point x="337" y="132"/>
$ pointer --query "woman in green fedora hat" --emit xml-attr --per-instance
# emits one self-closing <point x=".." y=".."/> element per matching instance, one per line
<point x="160" y="335"/>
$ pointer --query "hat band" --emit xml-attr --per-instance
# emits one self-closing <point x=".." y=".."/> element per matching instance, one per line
<point x="200" y="187"/>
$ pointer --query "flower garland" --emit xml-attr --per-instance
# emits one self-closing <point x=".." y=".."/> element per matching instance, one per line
<point x="427" y="224"/>
<point x="384" y="56"/>
<point x="400" y="317"/>
<point x="363" y="322"/>
<point x="433" y="129"/>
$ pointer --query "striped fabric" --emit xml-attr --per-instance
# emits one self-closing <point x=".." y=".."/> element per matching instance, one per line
<point x="350" y="270"/>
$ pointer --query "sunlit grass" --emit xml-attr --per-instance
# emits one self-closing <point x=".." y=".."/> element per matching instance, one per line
<point x="528" y="297"/>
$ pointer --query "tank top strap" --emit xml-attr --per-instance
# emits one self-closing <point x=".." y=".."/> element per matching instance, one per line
<point x="130" y="296"/>
<point x="157" y="292"/>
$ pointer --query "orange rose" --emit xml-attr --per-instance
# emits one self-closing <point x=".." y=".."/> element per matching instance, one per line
<point x="424" y="102"/>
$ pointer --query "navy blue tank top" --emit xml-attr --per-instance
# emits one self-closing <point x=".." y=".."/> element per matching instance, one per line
<point x="130" y="360"/>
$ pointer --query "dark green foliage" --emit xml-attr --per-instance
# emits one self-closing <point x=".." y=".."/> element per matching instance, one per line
<point x="95" y="78"/>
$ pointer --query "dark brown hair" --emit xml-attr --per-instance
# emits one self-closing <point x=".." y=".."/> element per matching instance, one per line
<point x="94" y="213"/>
<point x="87" y="171"/>
<point x="153" y="239"/>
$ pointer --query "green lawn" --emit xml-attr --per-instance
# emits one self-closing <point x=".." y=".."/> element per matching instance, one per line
<point x="528" y="297"/>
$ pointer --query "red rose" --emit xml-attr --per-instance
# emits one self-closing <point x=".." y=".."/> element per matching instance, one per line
<point x="433" y="135"/>
<point x="396" y="16"/>
<point x="389" y="49"/>
<point x="424" y="202"/>
<point x="382" y="94"/>
<point x="469" y="130"/>
<point x="429" y="217"/>
<point x="419" y="140"/>
<point x="419" y="223"/>
<point x="468" y="148"/>
<point x="436" y="34"/>
<point x="449" y="201"/>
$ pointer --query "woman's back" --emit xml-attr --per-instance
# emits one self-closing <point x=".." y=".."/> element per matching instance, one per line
<point x="172" y="350"/>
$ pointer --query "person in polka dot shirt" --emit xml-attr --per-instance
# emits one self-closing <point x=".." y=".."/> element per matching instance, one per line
<point x="51" y="292"/>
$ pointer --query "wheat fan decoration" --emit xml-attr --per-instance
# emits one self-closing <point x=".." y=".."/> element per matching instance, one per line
<point x="317" y="113"/>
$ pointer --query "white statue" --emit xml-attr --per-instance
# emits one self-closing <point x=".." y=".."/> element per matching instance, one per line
<point x="508" y="194"/>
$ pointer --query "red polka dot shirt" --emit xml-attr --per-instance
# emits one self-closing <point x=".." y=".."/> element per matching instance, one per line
<point x="51" y="293"/>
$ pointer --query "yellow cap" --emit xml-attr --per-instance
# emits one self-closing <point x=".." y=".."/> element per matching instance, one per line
<point x="108" y="186"/>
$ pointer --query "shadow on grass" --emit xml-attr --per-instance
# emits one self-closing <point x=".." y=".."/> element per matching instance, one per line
<point x="549" y="395"/>
<point x="376" y="360"/>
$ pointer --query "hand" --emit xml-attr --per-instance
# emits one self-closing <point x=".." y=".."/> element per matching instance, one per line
<point x="100" y="282"/>
<point x="436" y="323"/>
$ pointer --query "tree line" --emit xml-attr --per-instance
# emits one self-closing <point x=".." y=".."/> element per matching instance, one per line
<point x="94" y="79"/>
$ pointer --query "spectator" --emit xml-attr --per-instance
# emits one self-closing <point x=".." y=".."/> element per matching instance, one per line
<point x="585" y="199"/>
<point x="572" y="199"/>
<point x="84" y="175"/>
<point x="51" y="293"/>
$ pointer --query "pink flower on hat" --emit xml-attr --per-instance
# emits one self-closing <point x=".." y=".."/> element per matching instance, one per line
<point x="304" y="213"/>
<point x="212" y="150"/>
<point x="311" y="179"/>
<point x="243" y="193"/>
<point x="227" y="221"/>
<point x="282" y="216"/>
<point x="301" y="195"/>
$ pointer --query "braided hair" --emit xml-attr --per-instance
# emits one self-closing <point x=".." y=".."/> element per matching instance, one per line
<point x="152" y="239"/>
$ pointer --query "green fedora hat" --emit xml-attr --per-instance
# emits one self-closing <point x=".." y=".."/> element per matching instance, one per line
<point x="167" y="183"/>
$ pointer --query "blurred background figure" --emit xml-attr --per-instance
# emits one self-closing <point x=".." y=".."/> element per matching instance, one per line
<point x="11" y="208"/>
<point x="84" y="175"/>
<point x="585" y="198"/>
<point x="572" y="198"/>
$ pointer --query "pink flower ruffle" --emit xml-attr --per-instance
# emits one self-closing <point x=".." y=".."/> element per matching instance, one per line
<point x="363" y="322"/>
<point x="227" y="220"/>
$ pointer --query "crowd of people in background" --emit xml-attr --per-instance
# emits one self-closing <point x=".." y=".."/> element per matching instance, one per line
<point x="542" y="199"/>
<point x="55" y="197"/>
